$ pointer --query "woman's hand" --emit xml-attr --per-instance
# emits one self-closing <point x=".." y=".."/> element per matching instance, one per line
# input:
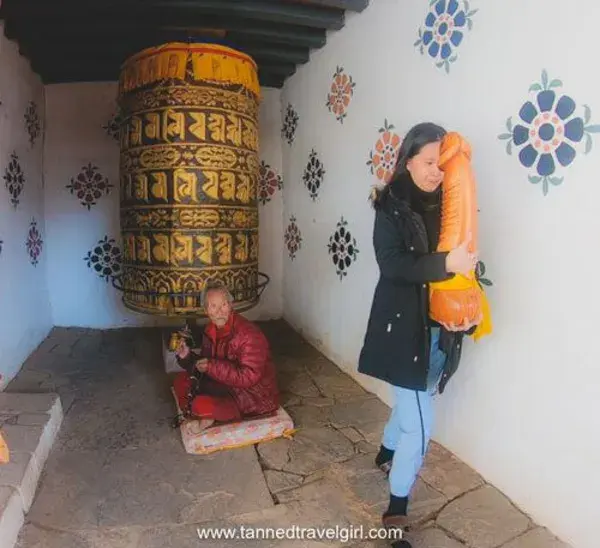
<point x="465" y="326"/>
<point x="460" y="260"/>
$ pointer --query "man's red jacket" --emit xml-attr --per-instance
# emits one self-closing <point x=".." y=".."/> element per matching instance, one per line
<point x="240" y="358"/>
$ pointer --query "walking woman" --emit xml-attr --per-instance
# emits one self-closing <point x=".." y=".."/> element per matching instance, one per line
<point x="402" y="346"/>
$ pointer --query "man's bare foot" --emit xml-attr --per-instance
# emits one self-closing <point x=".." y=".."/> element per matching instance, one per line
<point x="198" y="425"/>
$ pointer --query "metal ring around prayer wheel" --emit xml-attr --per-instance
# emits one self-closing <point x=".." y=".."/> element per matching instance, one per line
<point x="189" y="171"/>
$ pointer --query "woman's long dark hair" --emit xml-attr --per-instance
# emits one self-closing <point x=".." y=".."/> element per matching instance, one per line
<point x="416" y="138"/>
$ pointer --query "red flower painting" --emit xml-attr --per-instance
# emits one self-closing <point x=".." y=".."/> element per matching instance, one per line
<point x="382" y="159"/>
<point x="340" y="94"/>
<point x="269" y="181"/>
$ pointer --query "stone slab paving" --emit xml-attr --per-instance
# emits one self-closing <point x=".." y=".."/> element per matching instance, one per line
<point x="432" y="537"/>
<point x="118" y="475"/>
<point x="484" y="518"/>
<point x="447" y="474"/>
<point x="536" y="538"/>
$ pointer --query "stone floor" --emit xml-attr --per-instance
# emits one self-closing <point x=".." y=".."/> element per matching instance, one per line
<point x="118" y="476"/>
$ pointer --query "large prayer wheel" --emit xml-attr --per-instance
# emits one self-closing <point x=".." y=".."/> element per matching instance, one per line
<point x="189" y="171"/>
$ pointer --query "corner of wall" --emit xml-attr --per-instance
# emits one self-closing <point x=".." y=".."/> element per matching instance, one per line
<point x="44" y="197"/>
<point x="270" y="192"/>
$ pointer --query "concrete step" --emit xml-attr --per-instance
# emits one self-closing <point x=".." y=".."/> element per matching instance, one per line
<point x="29" y="424"/>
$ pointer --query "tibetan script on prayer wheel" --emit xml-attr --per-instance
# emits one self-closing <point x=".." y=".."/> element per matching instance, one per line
<point x="188" y="177"/>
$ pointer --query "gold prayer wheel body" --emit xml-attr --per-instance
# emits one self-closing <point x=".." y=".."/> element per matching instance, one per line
<point x="189" y="172"/>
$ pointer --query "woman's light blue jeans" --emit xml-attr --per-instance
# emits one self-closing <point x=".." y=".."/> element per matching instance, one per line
<point x="408" y="429"/>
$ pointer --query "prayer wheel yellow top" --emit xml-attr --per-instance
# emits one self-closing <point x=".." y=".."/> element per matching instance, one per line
<point x="209" y="62"/>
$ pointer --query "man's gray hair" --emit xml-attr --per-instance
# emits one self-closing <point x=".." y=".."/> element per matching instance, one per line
<point x="216" y="286"/>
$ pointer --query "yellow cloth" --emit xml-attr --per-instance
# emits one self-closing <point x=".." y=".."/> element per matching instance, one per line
<point x="210" y="62"/>
<point x="461" y="282"/>
<point x="4" y="453"/>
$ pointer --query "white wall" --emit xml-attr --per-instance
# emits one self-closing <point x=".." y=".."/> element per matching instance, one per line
<point x="77" y="115"/>
<point x="524" y="407"/>
<point x="25" y="318"/>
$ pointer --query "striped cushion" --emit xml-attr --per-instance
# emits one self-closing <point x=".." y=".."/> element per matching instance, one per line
<point x="235" y="434"/>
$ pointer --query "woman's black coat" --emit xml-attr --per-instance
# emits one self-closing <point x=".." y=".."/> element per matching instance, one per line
<point x="397" y="342"/>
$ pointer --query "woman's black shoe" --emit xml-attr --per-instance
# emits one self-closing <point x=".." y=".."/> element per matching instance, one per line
<point x="395" y="516"/>
<point x="383" y="460"/>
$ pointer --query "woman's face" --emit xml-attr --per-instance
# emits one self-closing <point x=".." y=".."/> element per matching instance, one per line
<point x="423" y="167"/>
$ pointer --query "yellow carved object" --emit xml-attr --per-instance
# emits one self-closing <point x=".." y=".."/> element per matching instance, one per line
<point x="189" y="172"/>
<point x="4" y="453"/>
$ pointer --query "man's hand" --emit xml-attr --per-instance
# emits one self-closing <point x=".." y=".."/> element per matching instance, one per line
<point x="202" y="365"/>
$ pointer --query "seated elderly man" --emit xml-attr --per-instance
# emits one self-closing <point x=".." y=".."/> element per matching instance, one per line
<point x="234" y="371"/>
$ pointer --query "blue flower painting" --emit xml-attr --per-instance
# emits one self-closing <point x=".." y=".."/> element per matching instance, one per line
<point x="444" y="30"/>
<point x="549" y="132"/>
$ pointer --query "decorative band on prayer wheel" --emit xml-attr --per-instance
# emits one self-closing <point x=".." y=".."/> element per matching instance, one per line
<point x="189" y="171"/>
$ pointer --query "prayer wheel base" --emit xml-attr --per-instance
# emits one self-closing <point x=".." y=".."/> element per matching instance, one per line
<point x="188" y="304"/>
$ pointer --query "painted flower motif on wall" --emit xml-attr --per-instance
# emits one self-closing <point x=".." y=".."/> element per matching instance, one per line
<point x="342" y="248"/>
<point x="34" y="243"/>
<point x="548" y="132"/>
<point x="32" y="122"/>
<point x="105" y="259"/>
<point x="14" y="179"/>
<point x="340" y="94"/>
<point x="382" y="159"/>
<point x="444" y="30"/>
<point x="89" y="185"/>
<point x="480" y="274"/>
<point x="112" y="126"/>
<point x="292" y="238"/>
<point x="269" y="181"/>
<point x="290" y="124"/>
<point x="313" y="175"/>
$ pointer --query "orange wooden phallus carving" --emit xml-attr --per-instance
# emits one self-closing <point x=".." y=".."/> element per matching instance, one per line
<point x="459" y="299"/>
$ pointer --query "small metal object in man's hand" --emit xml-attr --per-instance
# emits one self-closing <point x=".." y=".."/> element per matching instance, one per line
<point x="188" y="364"/>
<point x="177" y="337"/>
